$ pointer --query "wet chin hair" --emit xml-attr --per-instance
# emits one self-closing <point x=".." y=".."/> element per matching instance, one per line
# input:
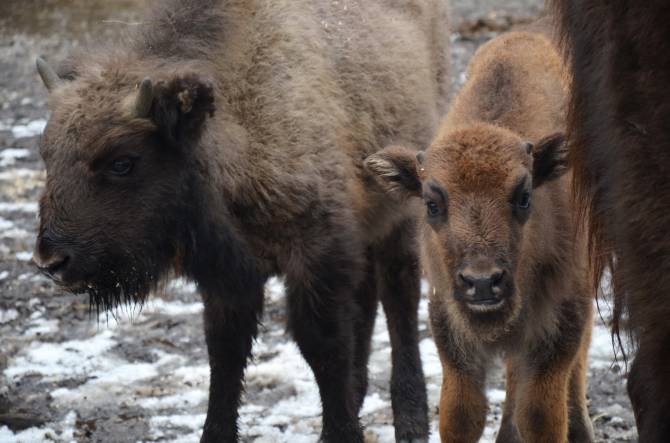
<point x="104" y="298"/>
<point x="121" y="287"/>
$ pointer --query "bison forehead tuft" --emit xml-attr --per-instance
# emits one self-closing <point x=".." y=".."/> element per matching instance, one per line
<point x="84" y="126"/>
<point x="477" y="158"/>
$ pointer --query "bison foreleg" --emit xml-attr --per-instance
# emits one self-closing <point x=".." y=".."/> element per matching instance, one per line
<point x="322" y="313"/>
<point x="541" y="410"/>
<point x="229" y="333"/>
<point x="462" y="403"/>
<point x="366" y="298"/>
<point x="648" y="387"/>
<point x="398" y="282"/>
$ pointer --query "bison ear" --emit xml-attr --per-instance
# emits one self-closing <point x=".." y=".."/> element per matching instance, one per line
<point x="180" y="106"/>
<point x="550" y="159"/>
<point x="396" y="167"/>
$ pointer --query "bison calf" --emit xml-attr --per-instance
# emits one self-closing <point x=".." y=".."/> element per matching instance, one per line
<point x="503" y="253"/>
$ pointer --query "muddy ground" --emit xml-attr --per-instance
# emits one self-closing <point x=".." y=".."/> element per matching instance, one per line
<point x="142" y="376"/>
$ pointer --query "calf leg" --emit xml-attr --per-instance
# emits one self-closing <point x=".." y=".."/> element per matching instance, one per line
<point x="580" y="429"/>
<point x="508" y="432"/>
<point x="648" y="386"/>
<point x="229" y="333"/>
<point x="462" y="405"/>
<point x="322" y="312"/>
<point x="398" y="281"/>
<point x="541" y="412"/>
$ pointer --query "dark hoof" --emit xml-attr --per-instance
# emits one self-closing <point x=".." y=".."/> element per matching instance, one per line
<point x="414" y="440"/>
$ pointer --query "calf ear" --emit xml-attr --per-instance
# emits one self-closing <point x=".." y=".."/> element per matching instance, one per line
<point x="550" y="159"/>
<point x="178" y="106"/>
<point x="396" y="167"/>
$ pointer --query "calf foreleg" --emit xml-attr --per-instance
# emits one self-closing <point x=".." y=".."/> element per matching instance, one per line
<point x="580" y="429"/>
<point x="462" y="405"/>
<point x="541" y="411"/>
<point x="508" y="432"/>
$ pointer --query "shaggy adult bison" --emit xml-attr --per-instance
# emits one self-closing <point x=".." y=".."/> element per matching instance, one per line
<point x="500" y="246"/>
<point x="224" y="140"/>
<point x="619" y="130"/>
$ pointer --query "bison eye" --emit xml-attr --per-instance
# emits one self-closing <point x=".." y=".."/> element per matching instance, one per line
<point x="524" y="200"/>
<point x="433" y="208"/>
<point x="121" y="166"/>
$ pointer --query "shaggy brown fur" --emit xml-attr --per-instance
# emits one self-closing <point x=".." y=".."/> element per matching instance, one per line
<point x="507" y="275"/>
<point x="621" y="155"/>
<point x="249" y="163"/>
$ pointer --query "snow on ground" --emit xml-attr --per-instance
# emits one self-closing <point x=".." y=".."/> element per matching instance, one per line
<point x="29" y="128"/>
<point x="9" y="156"/>
<point x="282" y="402"/>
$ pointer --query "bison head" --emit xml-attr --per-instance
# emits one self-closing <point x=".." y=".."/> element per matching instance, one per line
<point x="478" y="186"/>
<point x="119" y="161"/>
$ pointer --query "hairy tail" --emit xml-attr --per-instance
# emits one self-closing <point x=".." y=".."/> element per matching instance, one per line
<point x="581" y="37"/>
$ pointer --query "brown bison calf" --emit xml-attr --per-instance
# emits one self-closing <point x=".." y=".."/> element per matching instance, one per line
<point x="225" y="140"/>
<point x="501" y="249"/>
<point x="620" y="139"/>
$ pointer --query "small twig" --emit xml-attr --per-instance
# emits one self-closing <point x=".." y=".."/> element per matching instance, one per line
<point x="121" y="22"/>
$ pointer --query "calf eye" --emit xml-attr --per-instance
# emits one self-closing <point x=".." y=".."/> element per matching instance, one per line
<point x="435" y="199"/>
<point x="524" y="200"/>
<point x="433" y="208"/>
<point x="121" y="166"/>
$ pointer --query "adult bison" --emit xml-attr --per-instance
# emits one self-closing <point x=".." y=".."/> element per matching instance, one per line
<point x="618" y="123"/>
<point x="225" y="141"/>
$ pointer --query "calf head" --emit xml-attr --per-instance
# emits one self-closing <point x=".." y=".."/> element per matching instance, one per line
<point x="477" y="185"/>
<point x="117" y="150"/>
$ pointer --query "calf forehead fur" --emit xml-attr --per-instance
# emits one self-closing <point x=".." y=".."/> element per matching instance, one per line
<point x="477" y="158"/>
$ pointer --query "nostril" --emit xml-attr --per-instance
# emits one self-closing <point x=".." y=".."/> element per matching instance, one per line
<point x="52" y="264"/>
<point x="466" y="280"/>
<point x="58" y="264"/>
<point x="497" y="277"/>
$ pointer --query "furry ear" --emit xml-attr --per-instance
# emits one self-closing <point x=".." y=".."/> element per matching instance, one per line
<point x="180" y="107"/>
<point x="550" y="159"/>
<point x="396" y="167"/>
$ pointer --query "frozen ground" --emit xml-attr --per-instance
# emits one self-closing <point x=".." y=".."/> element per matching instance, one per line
<point x="143" y="375"/>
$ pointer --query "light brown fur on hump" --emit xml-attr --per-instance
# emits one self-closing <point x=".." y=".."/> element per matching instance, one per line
<point x="316" y="117"/>
<point x="502" y="87"/>
<point x="304" y="92"/>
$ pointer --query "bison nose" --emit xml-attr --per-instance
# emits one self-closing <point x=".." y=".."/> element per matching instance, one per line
<point x="51" y="265"/>
<point x="482" y="287"/>
<point x="49" y="259"/>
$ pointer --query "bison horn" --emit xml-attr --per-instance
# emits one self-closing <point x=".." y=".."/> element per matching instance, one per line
<point x="49" y="76"/>
<point x="144" y="98"/>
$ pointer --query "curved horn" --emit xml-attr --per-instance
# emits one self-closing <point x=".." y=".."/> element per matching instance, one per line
<point x="145" y="96"/>
<point x="49" y="76"/>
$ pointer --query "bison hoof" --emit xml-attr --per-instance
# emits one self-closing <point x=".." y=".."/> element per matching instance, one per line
<point x="414" y="440"/>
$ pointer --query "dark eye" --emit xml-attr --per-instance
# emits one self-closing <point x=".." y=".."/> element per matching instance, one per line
<point x="121" y="166"/>
<point x="524" y="200"/>
<point x="433" y="208"/>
